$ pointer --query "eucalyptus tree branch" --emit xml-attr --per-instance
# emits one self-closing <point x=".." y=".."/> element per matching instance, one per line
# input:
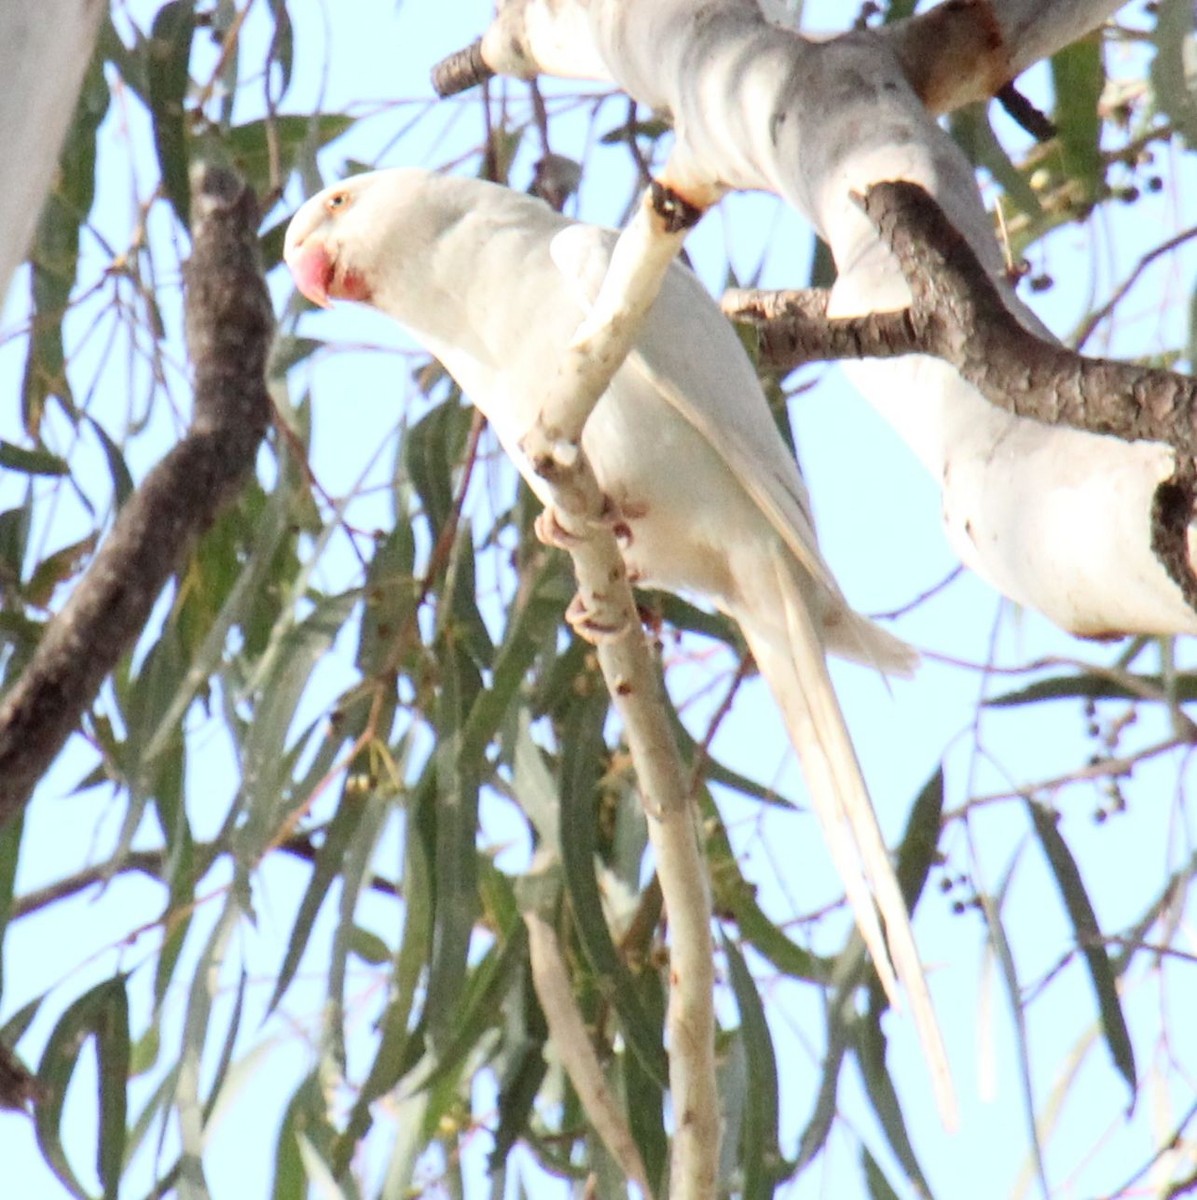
<point x="644" y="252"/>
<point x="952" y="54"/>
<point x="792" y="328"/>
<point x="572" y="1043"/>
<point x="144" y="862"/>
<point x="958" y="315"/>
<point x="460" y="71"/>
<point x="229" y="328"/>
<point x="1057" y="519"/>
<point x="605" y="610"/>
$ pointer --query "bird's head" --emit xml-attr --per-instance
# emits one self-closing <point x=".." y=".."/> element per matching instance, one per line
<point x="329" y="241"/>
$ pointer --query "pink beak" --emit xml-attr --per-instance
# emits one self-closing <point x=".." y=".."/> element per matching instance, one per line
<point x="312" y="269"/>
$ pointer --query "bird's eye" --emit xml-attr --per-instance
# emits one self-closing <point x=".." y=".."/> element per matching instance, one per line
<point x="336" y="200"/>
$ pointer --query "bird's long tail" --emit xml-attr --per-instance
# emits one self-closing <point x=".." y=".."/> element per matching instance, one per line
<point x="789" y="651"/>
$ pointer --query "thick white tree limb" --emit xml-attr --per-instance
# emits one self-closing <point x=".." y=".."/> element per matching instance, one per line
<point x="1056" y="519"/>
<point x="44" y="51"/>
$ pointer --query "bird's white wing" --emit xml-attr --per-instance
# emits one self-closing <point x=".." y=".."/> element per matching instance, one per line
<point x="690" y="354"/>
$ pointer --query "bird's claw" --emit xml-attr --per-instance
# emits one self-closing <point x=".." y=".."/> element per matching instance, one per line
<point x="550" y="530"/>
<point x="596" y="625"/>
<point x="593" y="618"/>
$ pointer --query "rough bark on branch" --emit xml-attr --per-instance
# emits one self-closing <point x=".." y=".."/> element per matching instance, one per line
<point x="460" y="71"/>
<point x="793" y="328"/>
<point x="958" y="315"/>
<point x="229" y="328"/>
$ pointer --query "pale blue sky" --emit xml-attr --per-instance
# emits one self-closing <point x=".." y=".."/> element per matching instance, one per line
<point x="883" y="540"/>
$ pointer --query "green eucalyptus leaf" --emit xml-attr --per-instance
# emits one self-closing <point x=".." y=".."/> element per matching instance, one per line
<point x="1173" y="76"/>
<point x="875" y="1181"/>
<point x="584" y="750"/>
<point x="883" y="1096"/>
<point x="1078" y="78"/>
<point x="168" y="57"/>
<point x="1089" y="940"/>
<point x="100" y="1017"/>
<point x="760" y="1152"/>
<point x="31" y="462"/>
<point x="251" y="147"/>
<point x="1094" y="686"/>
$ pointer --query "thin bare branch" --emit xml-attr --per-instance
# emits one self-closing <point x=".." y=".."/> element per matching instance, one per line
<point x="1165" y="247"/>
<point x="152" y="863"/>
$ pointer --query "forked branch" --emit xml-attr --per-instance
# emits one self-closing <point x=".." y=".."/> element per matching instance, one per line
<point x="957" y="314"/>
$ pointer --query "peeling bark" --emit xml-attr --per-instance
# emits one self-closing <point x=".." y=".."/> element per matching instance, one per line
<point x="957" y="314"/>
<point x="966" y="50"/>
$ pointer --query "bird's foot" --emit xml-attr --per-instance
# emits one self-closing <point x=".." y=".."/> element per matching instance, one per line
<point x="594" y="616"/>
<point x="595" y="622"/>
<point x="552" y="532"/>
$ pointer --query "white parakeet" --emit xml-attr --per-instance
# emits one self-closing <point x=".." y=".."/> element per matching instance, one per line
<point x="494" y="284"/>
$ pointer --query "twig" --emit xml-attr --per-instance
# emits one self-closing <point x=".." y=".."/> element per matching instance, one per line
<point x="572" y="1044"/>
<point x="151" y="862"/>
<point x="1021" y="110"/>
<point x="460" y="71"/>
<point x="1166" y="1145"/>
<point x="894" y="613"/>
<point x="229" y="326"/>
<point x="1102" y="769"/>
<point x="1095" y="319"/>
